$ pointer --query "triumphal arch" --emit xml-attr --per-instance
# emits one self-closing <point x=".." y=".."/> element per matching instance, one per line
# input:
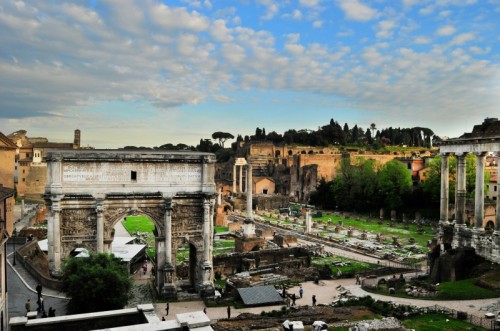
<point x="89" y="191"/>
<point x="483" y="139"/>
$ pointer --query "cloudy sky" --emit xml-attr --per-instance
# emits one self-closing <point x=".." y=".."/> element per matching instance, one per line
<point x="148" y="72"/>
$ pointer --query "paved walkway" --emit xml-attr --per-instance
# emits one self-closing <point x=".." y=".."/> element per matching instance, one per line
<point x="326" y="291"/>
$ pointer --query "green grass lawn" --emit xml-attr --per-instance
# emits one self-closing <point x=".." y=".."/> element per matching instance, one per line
<point x="352" y="268"/>
<point x="223" y="246"/>
<point x="438" y="322"/>
<point x="219" y="229"/>
<point x="464" y="290"/>
<point x="458" y="290"/>
<point x="142" y="224"/>
<point x="374" y="227"/>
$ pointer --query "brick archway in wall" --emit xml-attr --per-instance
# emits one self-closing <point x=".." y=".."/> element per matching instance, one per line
<point x="88" y="192"/>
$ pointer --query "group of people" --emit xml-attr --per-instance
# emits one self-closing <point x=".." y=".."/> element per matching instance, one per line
<point x="41" y="305"/>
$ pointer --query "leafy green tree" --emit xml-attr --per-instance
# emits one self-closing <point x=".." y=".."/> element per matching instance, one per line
<point x="96" y="283"/>
<point x="323" y="196"/>
<point x="432" y="182"/>
<point x="364" y="185"/>
<point x="222" y="137"/>
<point x="394" y="182"/>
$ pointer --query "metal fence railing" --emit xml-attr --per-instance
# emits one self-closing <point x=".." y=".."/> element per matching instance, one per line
<point x="484" y="322"/>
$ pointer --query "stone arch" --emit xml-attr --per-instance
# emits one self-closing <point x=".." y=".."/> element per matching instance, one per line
<point x="490" y="225"/>
<point x="195" y="259"/>
<point x="89" y="191"/>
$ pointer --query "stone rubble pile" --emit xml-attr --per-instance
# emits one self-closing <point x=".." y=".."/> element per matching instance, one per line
<point x="494" y="307"/>
<point x="386" y="323"/>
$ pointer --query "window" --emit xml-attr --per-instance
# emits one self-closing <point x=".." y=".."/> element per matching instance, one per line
<point x="133" y="175"/>
<point x="495" y="188"/>
<point x="24" y="179"/>
<point x="409" y="166"/>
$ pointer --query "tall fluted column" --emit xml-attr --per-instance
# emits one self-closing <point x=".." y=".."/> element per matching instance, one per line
<point x="207" y="236"/>
<point x="100" y="228"/>
<point x="249" y="191"/>
<point x="443" y="215"/>
<point x="207" y="287"/>
<point x="168" y="232"/>
<point x="479" y="197"/>
<point x="57" y="235"/>
<point x="241" y="179"/>
<point x="166" y="272"/>
<point x="234" y="178"/>
<point x="461" y="189"/>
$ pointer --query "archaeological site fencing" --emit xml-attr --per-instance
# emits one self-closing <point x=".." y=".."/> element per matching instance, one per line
<point x="484" y="322"/>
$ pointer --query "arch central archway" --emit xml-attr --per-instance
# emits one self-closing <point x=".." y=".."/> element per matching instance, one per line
<point x="88" y="192"/>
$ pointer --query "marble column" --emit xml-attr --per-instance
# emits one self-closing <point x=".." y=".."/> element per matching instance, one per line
<point x="234" y="178"/>
<point x="100" y="228"/>
<point x="461" y="189"/>
<point x="241" y="179"/>
<point x="479" y="196"/>
<point x="249" y="191"/>
<point x="169" y="290"/>
<point x="207" y="236"/>
<point x="443" y="215"/>
<point x="168" y="232"/>
<point x="207" y="288"/>
<point x="56" y="223"/>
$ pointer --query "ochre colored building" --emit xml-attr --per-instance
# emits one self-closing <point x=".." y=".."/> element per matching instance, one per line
<point x="7" y="168"/>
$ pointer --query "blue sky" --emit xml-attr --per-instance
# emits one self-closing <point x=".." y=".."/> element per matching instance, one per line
<point x="150" y="72"/>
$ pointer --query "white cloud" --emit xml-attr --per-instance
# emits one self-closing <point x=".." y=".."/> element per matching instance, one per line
<point x="317" y="24"/>
<point x="309" y="3"/>
<point x="357" y="11"/>
<point x="272" y="8"/>
<point x="293" y="38"/>
<point x="294" y="49"/>
<point x="422" y="40"/>
<point x="220" y="32"/>
<point x="385" y="28"/>
<point x="446" y="30"/>
<point x="462" y="38"/>
<point x="178" y="18"/>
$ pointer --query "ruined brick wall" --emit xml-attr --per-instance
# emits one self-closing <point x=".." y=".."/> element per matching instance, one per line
<point x="230" y="263"/>
<point x="271" y="202"/>
<point x="36" y="180"/>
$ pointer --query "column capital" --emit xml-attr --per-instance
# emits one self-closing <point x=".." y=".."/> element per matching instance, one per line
<point x="480" y="154"/>
<point x="461" y="154"/>
<point x="168" y="204"/>
<point x="99" y="209"/>
<point x="445" y="154"/>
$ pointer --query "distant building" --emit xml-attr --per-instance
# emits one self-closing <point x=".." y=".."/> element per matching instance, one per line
<point x="30" y="170"/>
<point x="7" y="169"/>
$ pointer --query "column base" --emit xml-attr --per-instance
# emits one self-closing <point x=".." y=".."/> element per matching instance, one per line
<point x="169" y="292"/>
<point x="207" y="289"/>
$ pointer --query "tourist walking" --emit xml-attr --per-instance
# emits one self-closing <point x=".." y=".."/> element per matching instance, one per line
<point x="39" y="290"/>
<point x="301" y="292"/>
<point x="293" y="299"/>
<point x="27" y="305"/>
<point x="41" y="306"/>
<point x="167" y="308"/>
<point x="314" y="300"/>
<point x="228" y="312"/>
